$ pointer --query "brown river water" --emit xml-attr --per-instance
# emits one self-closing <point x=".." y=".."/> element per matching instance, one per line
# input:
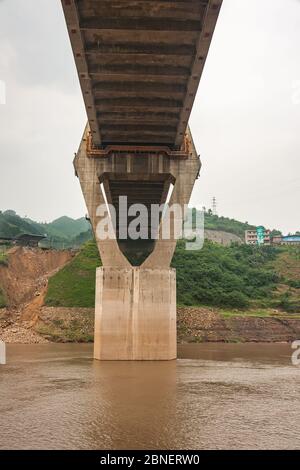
<point x="216" y="396"/>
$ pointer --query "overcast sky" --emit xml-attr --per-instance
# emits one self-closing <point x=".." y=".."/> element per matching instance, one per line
<point x="245" y="120"/>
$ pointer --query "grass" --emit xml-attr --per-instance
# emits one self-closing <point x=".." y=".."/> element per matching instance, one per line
<point x="70" y="333"/>
<point x="3" y="259"/>
<point x="288" y="263"/>
<point x="3" y="262"/>
<point x="74" y="285"/>
<point x="287" y="294"/>
<point x="260" y="313"/>
<point x="257" y="313"/>
<point x="2" y="299"/>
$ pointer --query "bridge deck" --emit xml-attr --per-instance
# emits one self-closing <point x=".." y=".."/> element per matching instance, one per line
<point x="139" y="64"/>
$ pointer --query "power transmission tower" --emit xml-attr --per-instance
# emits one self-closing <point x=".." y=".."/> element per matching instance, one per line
<point x="214" y="206"/>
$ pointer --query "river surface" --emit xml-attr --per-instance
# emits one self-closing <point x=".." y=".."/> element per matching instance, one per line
<point x="216" y="396"/>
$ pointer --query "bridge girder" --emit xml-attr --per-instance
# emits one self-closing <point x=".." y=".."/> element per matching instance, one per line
<point x="139" y="64"/>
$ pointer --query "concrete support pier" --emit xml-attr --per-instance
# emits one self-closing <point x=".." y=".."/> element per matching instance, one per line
<point x="135" y="314"/>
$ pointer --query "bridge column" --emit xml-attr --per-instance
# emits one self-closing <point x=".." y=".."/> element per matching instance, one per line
<point x="135" y="314"/>
<point x="135" y="310"/>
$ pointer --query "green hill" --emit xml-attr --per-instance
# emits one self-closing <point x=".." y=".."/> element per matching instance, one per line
<point x="12" y="225"/>
<point x="83" y="237"/>
<point x="214" y="222"/>
<point x="64" y="232"/>
<point x="65" y="227"/>
<point x="225" y="224"/>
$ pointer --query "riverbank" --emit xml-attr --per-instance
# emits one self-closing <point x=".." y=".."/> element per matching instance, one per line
<point x="194" y="325"/>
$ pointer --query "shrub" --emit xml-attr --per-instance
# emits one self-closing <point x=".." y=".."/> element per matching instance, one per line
<point x="224" y="276"/>
<point x="2" y="299"/>
<point x="3" y="259"/>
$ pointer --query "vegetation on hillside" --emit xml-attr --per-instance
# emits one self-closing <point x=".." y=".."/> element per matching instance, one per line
<point x="2" y="299"/>
<point x="3" y="259"/>
<point x="3" y="262"/>
<point x="235" y="276"/>
<point x="214" y="222"/>
<point x="288" y="291"/>
<point x="66" y="227"/>
<point x="74" y="285"/>
<point x="82" y="238"/>
<point x="238" y="277"/>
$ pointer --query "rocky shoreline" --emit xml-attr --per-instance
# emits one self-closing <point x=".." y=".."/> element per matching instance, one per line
<point x="13" y="330"/>
<point x="194" y="325"/>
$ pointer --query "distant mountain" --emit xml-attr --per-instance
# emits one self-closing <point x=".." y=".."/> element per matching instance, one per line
<point x="62" y="232"/>
<point x="12" y="225"/>
<point x="83" y="237"/>
<point x="65" y="227"/>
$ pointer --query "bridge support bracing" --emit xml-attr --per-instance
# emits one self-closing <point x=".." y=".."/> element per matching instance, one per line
<point x="135" y="311"/>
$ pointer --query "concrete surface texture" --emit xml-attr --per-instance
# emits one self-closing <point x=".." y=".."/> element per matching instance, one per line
<point x="135" y="315"/>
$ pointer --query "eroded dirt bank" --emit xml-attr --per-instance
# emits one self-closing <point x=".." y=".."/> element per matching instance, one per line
<point x="24" y="281"/>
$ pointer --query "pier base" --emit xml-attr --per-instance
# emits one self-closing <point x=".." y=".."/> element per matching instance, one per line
<point x="135" y="314"/>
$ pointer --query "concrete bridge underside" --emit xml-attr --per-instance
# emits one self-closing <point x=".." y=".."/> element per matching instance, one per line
<point x="139" y="64"/>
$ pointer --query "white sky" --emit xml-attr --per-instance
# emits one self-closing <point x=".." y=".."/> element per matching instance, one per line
<point x="245" y="120"/>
